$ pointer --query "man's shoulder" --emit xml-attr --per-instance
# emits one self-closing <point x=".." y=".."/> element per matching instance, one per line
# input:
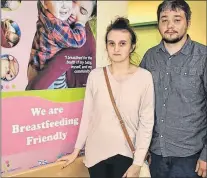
<point x="149" y="56"/>
<point x="199" y="49"/>
<point x="153" y="49"/>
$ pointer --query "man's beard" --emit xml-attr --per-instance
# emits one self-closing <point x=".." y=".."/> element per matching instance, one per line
<point x="173" y="41"/>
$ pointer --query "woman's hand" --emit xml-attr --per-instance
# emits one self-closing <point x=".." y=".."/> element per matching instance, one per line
<point x="69" y="158"/>
<point x="133" y="171"/>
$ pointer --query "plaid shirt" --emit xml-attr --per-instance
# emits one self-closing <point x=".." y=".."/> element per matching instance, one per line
<point x="52" y="35"/>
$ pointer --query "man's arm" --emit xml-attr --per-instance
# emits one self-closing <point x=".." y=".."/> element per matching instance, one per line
<point x="205" y="76"/>
<point x="201" y="166"/>
<point x="203" y="155"/>
<point x="143" y="63"/>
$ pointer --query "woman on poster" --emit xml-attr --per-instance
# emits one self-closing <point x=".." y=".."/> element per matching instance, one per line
<point x="58" y="64"/>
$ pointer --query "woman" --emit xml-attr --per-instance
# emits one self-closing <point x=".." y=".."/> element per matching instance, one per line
<point x="58" y="64"/>
<point x="106" y="150"/>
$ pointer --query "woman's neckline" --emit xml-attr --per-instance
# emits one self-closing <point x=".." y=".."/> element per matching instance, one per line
<point x="123" y="80"/>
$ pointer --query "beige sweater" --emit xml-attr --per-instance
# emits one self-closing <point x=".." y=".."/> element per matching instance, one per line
<point x="100" y="130"/>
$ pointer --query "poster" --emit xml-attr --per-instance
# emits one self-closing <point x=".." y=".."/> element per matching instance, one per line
<point x="41" y="127"/>
<point x="53" y="47"/>
<point x="48" y="48"/>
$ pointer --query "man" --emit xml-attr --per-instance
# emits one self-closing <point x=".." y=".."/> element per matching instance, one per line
<point x="179" y="68"/>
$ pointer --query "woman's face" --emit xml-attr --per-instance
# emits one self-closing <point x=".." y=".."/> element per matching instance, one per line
<point x="84" y="7"/>
<point x="119" y="45"/>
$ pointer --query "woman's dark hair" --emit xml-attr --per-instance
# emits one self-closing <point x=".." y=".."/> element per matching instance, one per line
<point x="122" y="23"/>
<point x="174" y="5"/>
<point x="94" y="12"/>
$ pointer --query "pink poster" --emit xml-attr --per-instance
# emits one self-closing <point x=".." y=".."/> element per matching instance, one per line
<point x="40" y="128"/>
<point x="47" y="44"/>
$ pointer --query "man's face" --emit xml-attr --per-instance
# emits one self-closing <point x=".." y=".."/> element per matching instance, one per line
<point x="172" y="25"/>
<point x="83" y="7"/>
<point x="60" y="9"/>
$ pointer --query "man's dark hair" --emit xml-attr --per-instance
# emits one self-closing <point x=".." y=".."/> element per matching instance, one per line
<point x="174" y="5"/>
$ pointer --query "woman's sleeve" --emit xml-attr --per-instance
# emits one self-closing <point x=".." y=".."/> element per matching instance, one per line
<point x="86" y="114"/>
<point x="146" y="123"/>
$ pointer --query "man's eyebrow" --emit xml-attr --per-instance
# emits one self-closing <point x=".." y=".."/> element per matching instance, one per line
<point x="178" y="16"/>
<point x="164" y="16"/>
